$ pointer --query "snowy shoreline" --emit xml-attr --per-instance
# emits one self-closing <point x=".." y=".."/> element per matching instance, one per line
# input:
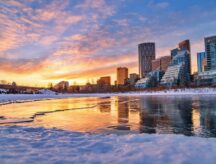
<point x="19" y="98"/>
<point x="39" y="145"/>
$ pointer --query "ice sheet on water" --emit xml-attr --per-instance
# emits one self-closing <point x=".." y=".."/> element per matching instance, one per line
<point x="39" y="145"/>
<point x="42" y="112"/>
<point x="4" y="120"/>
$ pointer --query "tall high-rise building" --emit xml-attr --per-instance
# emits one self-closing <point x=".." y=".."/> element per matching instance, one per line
<point x="201" y="56"/>
<point x="122" y="75"/>
<point x="185" y="45"/>
<point x="146" y="55"/>
<point x="210" y="47"/>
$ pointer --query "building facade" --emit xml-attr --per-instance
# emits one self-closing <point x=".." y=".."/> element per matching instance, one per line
<point x="122" y="75"/>
<point x="178" y="71"/>
<point x="204" y="64"/>
<point x="201" y="61"/>
<point x="146" y="55"/>
<point x="152" y="79"/>
<point x="173" y="75"/>
<point x="185" y="45"/>
<point x="133" y="77"/>
<point x="161" y="63"/>
<point x="106" y="80"/>
<point x="206" y="78"/>
<point x="165" y="62"/>
<point x="207" y="63"/>
<point x="174" y="52"/>
<point x="210" y="48"/>
<point x="156" y="64"/>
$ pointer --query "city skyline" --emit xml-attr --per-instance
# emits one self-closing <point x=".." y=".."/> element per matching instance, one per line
<point x="50" y="41"/>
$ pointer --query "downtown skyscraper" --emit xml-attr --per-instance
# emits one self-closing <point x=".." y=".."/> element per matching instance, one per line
<point x="210" y="48"/>
<point x="201" y="60"/>
<point x="122" y="75"/>
<point x="146" y="55"/>
<point x="185" y="45"/>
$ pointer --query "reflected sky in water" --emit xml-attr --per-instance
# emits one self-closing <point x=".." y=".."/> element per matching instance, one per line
<point x="189" y="115"/>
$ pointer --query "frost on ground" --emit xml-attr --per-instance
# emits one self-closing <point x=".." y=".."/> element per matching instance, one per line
<point x="46" y="94"/>
<point x="39" y="145"/>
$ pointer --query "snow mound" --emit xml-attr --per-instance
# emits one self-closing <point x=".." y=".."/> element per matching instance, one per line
<point x="39" y="145"/>
<point x="3" y="90"/>
<point x="46" y="92"/>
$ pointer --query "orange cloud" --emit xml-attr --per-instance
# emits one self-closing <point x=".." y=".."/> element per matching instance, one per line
<point x="21" y="66"/>
<point x="91" y="73"/>
<point x="101" y="65"/>
<point x="75" y="40"/>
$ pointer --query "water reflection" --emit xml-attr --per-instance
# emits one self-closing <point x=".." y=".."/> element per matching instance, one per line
<point x="166" y="115"/>
<point x="122" y="106"/>
<point x="191" y="115"/>
<point x="208" y="116"/>
<point x="179" y="115"/>
<point x="105" y="107"/>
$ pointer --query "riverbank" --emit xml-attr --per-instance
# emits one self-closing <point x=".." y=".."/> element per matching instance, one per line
<point x="19" y="98"/>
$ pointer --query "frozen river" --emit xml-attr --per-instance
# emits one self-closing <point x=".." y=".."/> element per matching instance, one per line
<point x="187" y="115"/>
<point x="115" y="129"/>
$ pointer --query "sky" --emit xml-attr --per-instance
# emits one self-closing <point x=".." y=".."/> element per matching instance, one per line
<point x="44" y="41"/>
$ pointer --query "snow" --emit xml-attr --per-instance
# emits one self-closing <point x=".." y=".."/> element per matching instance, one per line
<point x="47" y="92"/>
<point x="3" y="90"/>
<point x="39" y="145"/>
<point x="14" y="98"/>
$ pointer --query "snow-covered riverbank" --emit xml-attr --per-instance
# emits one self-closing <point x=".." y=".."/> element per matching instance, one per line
<point x="39" y="145"/>
<point x="12" y="98"/>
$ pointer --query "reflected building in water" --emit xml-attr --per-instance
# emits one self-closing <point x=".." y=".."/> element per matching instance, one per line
<point x="123" y="109"/>
<point x="105" y="106"/>
<point x="152" y="115"/>
<point x="207" y="109"/>
<point x="166" y="115"/>
<point x="178" y="115"/>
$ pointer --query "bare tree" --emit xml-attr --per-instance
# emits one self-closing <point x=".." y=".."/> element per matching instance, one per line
<point x="50" y="85"/>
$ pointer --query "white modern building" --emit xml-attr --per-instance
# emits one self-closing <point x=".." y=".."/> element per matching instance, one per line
<point x="172" y="75"/>
<point x="178" y="72"/>
<point x="151" y="80"/>
<point x="206" y="78"/>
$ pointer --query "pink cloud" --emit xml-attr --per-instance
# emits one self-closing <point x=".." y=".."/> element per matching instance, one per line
<point x="92" y="4"/>
<point x="122" y="22"/>
<point x="21" y="66"/>
<point x="100" y="6"/>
